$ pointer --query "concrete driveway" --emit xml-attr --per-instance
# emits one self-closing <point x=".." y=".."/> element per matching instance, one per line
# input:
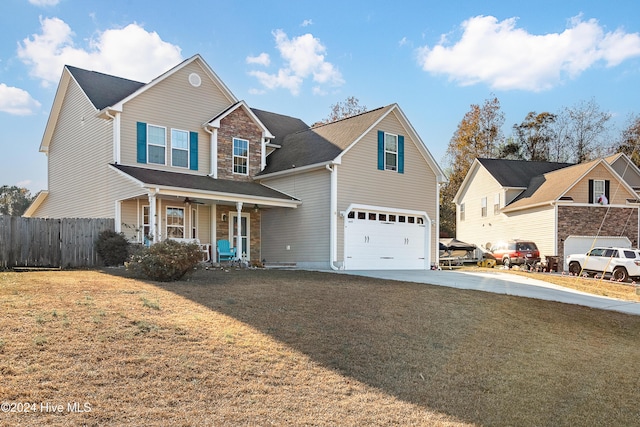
<point x="503" y="283"/>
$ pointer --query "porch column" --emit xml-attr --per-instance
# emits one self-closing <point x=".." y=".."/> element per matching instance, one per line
<point x="152" y="217"/>
<point x="239" y="231"/>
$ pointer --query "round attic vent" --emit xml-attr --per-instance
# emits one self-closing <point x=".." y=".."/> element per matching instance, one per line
<point x="195" y="80"/>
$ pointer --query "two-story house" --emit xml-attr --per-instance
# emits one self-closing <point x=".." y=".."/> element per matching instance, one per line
<point x="556" y="205"/>
<point x="182" y="157"/>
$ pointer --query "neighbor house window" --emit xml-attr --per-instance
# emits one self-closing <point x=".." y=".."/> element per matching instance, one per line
<point x="496" y="204"/>
<point x="194" y="224"/>
<point x="179" y="148"/>
<point x="484" y="206"/>
<point x="390" y="152"/>
<point x="175" y="222"/>
<point x="156" y="144"/>
<point x="240" y="156"/>
<point x="461" y="211"/>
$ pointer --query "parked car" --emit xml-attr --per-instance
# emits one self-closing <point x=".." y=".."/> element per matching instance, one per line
<point x="621" y="263"/>
<point x="515" y="252"/>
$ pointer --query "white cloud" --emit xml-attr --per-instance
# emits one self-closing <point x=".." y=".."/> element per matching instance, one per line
<point x="262" y="59"/>
<point x="505" y="57"/>
<point x="44" y="2"/>
<point x="303" y="58"/>
<point x="130" y="52"/>
<point x="17" y="101"/>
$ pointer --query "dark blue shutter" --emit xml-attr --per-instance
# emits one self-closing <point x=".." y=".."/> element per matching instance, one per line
<point x="400" y="154"/>
<point x="590" y="191"/>
<point x="381" y="150"/>
<point x="193" y="151"/>
<point x="141" y="139"/>
<point x="607" y="186"/>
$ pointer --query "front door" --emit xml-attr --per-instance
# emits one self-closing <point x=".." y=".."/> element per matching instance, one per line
<point x="245" y="234"/>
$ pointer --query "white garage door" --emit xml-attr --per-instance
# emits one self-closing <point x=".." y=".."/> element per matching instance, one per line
<point x="376" y="240"/>
<point x="582" y="244"/>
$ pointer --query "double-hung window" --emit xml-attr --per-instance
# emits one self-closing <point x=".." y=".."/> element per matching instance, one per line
<point x="175" y="222"/>
<point x="156" y="145"/>
<point x="484" y="206"/>
<point x="496" y="204"/>
<point x="390" y="152"/>
<point x="240" y="156"/>
<point x="179" y="148"/>
<point x="461" y="211"/>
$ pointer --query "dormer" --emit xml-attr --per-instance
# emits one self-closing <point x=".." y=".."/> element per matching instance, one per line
<point x="239" y="143"/>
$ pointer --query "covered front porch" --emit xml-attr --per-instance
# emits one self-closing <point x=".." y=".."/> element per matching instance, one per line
<point x="201" y="212"/>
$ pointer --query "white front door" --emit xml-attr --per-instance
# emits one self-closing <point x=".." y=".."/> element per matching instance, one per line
<point x="245" y="234"/>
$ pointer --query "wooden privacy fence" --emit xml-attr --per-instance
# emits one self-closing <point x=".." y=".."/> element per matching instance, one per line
<point x="43" y="242"/>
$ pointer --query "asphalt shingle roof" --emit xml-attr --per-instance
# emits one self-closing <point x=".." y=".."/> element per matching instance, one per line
<point x="518" y="173"/>
<point x="321" y="143"/>
<point x="200" y="182"/>
<point x="103" y="90"/>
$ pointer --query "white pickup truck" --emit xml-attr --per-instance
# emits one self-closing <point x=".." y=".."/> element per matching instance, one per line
<point x="620" y="263"/>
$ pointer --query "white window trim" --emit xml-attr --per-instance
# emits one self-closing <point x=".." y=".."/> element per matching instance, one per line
<point x="395" y="153"/>
<point x="181" y="149"/>
<point x="166" y="220"/>
<point x="597" y="192"/>
<point x="149" y="144"/>
<point x="233" y="159"/>
<point x="483" y="205"/>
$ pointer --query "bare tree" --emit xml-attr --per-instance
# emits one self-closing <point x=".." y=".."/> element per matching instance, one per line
<point x="343" y="109"/>
<point x="583" y="131"/>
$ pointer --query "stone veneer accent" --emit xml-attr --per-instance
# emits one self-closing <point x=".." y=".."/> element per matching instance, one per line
<point x="587" y="220"/>
<point x="238" y="125"/>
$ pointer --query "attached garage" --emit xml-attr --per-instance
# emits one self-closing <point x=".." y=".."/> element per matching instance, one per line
<point x="583" y="244"/>
<point x="386" y="239"/>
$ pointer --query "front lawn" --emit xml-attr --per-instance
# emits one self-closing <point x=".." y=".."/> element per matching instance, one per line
<point x="265" y="347"/>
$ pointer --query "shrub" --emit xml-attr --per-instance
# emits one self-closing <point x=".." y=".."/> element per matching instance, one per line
<point x="112" y="247"/>
<point x="165" y="261"/>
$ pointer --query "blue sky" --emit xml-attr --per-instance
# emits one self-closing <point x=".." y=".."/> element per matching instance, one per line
<point x="298" y="58"/>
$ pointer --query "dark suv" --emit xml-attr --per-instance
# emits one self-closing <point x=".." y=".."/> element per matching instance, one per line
<point x="516" y="252"/>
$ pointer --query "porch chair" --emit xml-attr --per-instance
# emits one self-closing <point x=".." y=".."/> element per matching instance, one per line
<point x="225" y="251"/>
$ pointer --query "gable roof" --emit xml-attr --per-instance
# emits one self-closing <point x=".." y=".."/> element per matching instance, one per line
<point x="320" y="144"/>
<point x="280" y="125"/>
<point x="518" y="173"/>
<point x="549" y="187"/>
<point x="204" y="184"/>
<point x="103" y="90"/>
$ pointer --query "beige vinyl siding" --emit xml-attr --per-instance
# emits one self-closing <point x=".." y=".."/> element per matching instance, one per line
<point x="79" y="153"/>
<point x="304" y="229"/>
<point x="537" y="225"/>
<point x="360" y="181"/>
<point x="618" y="194"/>
<point x="174" y="103"/>
<point x="475" y="228"/>
<point x="204" y="223"/>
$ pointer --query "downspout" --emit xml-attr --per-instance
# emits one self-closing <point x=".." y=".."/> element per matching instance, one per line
<point x="116" y="135"/>
<point x="333" y="215"/>
<point x="213" y="148"/>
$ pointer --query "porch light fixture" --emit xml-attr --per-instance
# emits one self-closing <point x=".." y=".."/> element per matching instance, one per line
<point x="256" y="208"/>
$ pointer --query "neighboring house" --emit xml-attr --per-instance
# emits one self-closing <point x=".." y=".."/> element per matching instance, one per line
<point x="182" y="157"/>
<point x="553" y="204"/>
